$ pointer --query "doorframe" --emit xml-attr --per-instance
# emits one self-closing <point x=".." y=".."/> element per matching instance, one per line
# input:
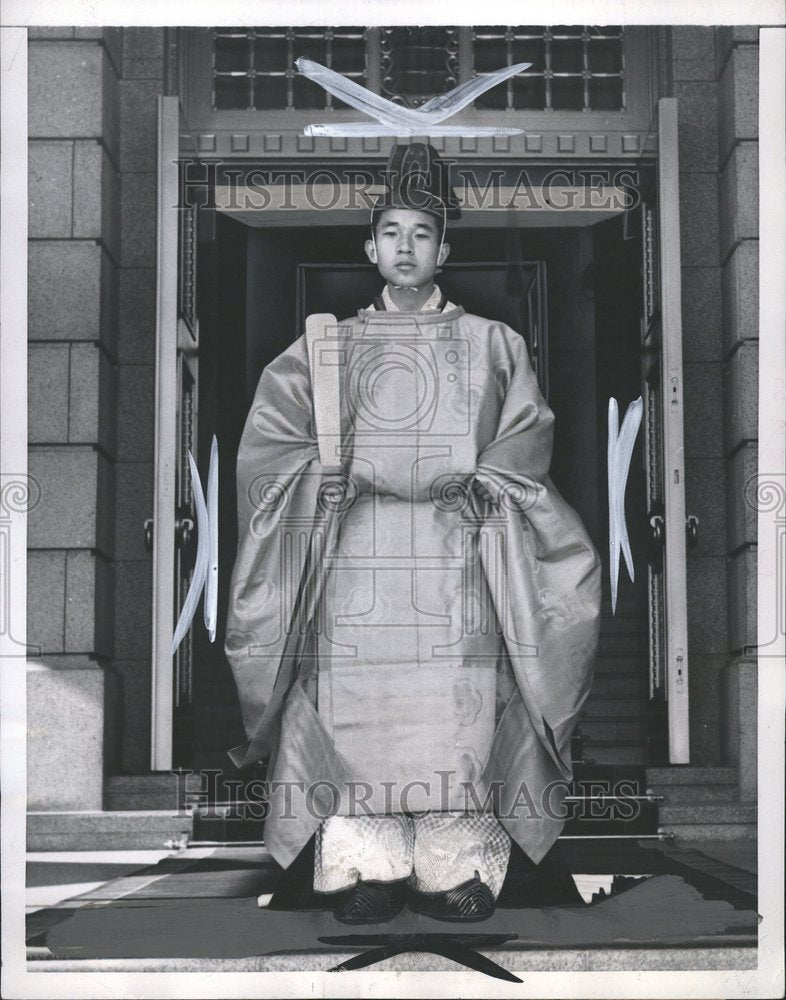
<point x="679" y="741"/>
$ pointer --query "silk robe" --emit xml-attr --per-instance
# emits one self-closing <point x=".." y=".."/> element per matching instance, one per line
<point x="440" y="544"/>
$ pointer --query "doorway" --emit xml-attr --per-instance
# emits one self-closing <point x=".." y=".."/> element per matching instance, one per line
<point x="256" y="284"/>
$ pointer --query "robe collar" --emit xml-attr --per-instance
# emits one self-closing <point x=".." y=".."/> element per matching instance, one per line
<point x="437" y="302"/>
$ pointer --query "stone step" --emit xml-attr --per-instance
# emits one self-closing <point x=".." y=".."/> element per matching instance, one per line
<point x="579" y="960"/>
<point x="686" y="774"/>
<point x="610" y="729"/>
<point x="679" y="794"/>
<point x="709" y="831"/>
<point x="706" y="813"/>
<point x="619" y="686"/>
<point x="104" y="830"/>
<point x="615" y="752"/>
<point x="615" y="663"/>
<point x="631" y="643"/>
<point x="605" y="706"/>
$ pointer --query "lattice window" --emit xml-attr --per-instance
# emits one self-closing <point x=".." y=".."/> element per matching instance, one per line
<point x="418" y="63"/>
<point x="254" y="67"/>
<point x="574" y="68"/>
<point x="577" y="68"/>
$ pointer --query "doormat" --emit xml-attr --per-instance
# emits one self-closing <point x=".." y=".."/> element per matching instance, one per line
<point x="210" y="910"/>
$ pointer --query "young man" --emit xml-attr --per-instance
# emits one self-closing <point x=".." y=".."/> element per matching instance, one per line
<point x="417" y="666"/>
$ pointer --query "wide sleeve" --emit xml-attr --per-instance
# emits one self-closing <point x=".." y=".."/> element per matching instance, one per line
<point x="543" y="570"/>
<point x="279" y="515"/>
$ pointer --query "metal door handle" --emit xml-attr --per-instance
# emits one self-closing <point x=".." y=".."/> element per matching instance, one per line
<point x="184" y="530"/>
<point x="657" y="531"/>
<point x="692" y="530"/>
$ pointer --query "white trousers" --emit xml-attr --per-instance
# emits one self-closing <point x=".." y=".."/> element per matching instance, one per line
<point x="435" y="851"/>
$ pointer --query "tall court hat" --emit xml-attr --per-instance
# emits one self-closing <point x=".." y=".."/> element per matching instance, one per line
<point x="416" y="178"/>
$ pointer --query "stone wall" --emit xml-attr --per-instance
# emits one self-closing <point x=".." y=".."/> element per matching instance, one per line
<point x="92" y="122"/>
<point x="141" y="83"/>
<point x="714" y="76"/>
<point x="737" y="65"/>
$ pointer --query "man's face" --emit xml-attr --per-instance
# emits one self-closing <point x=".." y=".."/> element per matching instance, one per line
<point x="407" y="247"/>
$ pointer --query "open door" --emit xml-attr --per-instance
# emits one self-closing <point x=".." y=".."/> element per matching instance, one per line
<point x="172" y="530"/>
<point x="663" y="388"/>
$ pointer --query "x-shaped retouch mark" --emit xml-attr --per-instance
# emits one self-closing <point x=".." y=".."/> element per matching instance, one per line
<point x="459" y="948"/>
<point x="392" y="119"/>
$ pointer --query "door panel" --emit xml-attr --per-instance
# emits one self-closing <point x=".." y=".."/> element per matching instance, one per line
<point x="176" y="402"/>
<point x="663" y="389"/>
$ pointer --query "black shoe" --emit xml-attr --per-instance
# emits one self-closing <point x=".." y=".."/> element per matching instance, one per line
<point x="370" y="902"/>
<point x="471" y="901"/>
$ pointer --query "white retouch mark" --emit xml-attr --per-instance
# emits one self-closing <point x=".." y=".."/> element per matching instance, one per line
<point x="395" y="120"/>
<point x="620" y="449"/>
<point x="205" y="574"/>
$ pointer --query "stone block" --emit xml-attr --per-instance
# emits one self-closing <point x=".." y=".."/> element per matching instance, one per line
<point x="739" y="197"/>
<point x="112" y="39"/>
<point x="741" y="524"/>
<point x="742" y="600"/>
<point x="104" y="606"/>
<point x="134" y="503"/>
<point x="704" y="492"/>
<point x="96" y="197"/>
<point x="706" y="604"/>
<point x="110" y="118"/>
<point x="119" y="830"/>
<point x="143" y="42"/>
<point x="136" y="413"/>
<point x="66" y="89"/>
<point x="138" y="243"/>
<point x="699" y="220"/>
<point x="136" y="687"/>
<point x="65" y="736"/>
<point x="728" y="38"/>
<point x="143" y="54"/>
<point x="50" y="189"/>
<point x="89" y="604"/>
<point x="47" y="393"/>
<point x="55" y="33"/>
<point x="139" y="124"/>
<point x="691" y="41"/>
<point x="701" y="314"/>
<point x="703" y="418"/>
<point x="80" y="602"/>
<point x="741" y="396"/>
<point x="93" y="397"/>
<point x="704" y="674"/>
<point x="739" y="99"/>
<point x="133" y="609"/>
<point x="739" y="717"/>
<point x="697" y="104"/>
<point x="105" y="514"/>
<point x="137" y="316"/>
<point x="72" y="293"/>
<point x="740" y="283"/>
<point x="136" y="748"/>
<point x="46" y="601"/>
<point x="109" y="304"/>
<point x="144" y="69"/>
<point x="66" y="515"/>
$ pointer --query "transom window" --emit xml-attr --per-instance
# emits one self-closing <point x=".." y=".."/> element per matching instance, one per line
<point x="574" y="68"/>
